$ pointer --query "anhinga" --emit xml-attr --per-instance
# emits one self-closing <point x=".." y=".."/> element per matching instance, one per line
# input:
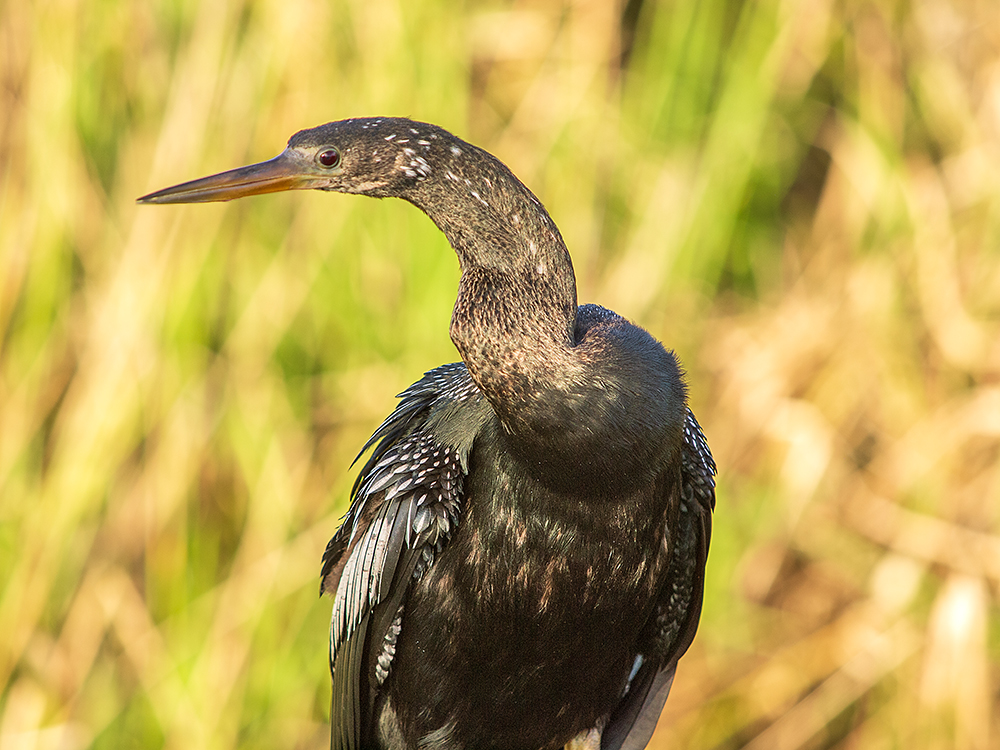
<point x="522" y="564"/>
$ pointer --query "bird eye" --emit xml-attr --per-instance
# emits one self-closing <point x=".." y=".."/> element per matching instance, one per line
<point x="329" y="157"/>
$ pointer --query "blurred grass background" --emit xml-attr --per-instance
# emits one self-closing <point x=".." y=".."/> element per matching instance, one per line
<point x="801" y="196"/>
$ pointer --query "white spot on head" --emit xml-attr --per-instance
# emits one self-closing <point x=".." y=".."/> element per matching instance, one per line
<point x="415" y="132"/>
<point x="424" y="143"/>
<point x="541" y="269"/>
<point x="390" y="137"/>
<point x="532" y="247"/>
<point x="516" y="218"/>
<point x="456" y="151"/>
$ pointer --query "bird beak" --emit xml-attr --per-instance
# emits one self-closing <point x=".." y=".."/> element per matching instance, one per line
<point x="283" y="172"/>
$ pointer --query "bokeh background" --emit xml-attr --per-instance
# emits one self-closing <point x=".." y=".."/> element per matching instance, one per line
<point x="802" y="197"/>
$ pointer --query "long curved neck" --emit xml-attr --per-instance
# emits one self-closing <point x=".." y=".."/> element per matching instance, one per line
<point x="515" y="316"/>
<point x="589" y="402"/>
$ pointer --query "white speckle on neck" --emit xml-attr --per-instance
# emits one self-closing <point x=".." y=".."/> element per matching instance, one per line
<point x="532" y="247"/>
<point x="417" y="166"/>
<point x="516" y="218"/>
<point x="390" y="137"/>
<point x="478" y="197"/>
<point x="541" y="269"/>
<point x="415" y="132"/>
<point x="456" y="151"/>
<point x="420" y="164"/>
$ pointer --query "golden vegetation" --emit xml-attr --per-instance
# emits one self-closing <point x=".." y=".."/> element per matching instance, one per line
<point x="801" y="196"/>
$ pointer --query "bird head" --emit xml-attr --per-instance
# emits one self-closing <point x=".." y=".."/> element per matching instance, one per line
<point x="380" y="157"/>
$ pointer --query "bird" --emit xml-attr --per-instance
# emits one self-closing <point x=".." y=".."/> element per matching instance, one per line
<point x="522" y="563"/>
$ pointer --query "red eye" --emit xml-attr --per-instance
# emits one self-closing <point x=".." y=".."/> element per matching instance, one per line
<point x="329" y="158"/>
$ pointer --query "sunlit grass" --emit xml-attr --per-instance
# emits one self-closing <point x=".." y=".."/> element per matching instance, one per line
<point x="800" y="197"/>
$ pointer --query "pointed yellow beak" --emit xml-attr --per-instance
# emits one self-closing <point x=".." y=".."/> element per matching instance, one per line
<point x="283" y="172"/>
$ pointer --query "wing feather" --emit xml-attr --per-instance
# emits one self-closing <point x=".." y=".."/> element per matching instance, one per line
<point x="406" y="503"/>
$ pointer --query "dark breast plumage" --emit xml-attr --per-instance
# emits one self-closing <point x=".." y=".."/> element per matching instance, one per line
<point x="508" y="610"/>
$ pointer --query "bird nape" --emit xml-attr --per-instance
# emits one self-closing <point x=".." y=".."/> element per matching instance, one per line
<point x="522" y="564"/>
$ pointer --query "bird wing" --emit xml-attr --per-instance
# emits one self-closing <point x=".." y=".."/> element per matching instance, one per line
<point x="405" y="505"/>
<point x="675" y="618"/>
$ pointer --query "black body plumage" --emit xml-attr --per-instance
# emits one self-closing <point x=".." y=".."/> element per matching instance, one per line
<point x="522" y="564"/>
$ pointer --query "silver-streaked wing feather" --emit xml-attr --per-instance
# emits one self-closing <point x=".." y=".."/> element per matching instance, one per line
<point x="405" y="505"/>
